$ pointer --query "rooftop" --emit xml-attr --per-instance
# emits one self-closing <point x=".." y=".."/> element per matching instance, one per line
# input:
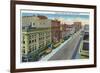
<point x="28" y="29"/>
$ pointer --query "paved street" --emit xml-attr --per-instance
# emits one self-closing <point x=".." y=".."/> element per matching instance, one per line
<point x="67" y="50"/>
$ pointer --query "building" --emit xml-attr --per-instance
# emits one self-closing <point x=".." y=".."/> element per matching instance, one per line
<point x="55" y="31"/>
<point x="70" y="29"/>
<point x="36" y="21"/>
<point x="77" y="25"/>
<point x="84" y="51"/>
<point x="63" y="30"/>
<point x="67" y="30"/>
<point x="36" y="37"/>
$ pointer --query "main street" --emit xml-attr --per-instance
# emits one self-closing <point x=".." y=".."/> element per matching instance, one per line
<point x="67" y="50"/>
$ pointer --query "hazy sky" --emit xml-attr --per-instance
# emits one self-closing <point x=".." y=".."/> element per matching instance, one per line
<point x="64" y="17"/>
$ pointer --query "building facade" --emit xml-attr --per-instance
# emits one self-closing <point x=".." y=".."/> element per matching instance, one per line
<point x="77" y="25"/>
<point x="36" y="36"/>
<point x="36" y="21"/>
<point x="84" y="51"/>
<point x="55" y="31"/>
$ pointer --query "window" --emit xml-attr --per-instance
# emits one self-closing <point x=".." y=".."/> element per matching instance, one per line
<point x="29" y="50"/>
<point x="33" y="23"/>
<point x="35" y="40"/>
<point x="23" y="50"/>
<point x="32" y="41"/>
<point x="29" y="41"/>
<point x="86" y="37"/>
<point x="86" y="46"/>
<point x="23" y="42"/>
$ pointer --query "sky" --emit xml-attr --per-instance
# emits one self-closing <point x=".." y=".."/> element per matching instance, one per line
<point x="66" y="17"/>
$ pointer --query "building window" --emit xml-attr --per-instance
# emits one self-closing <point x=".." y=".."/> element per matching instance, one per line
<point x="29" y="50"/>
<point x="33" y="23"/>
<point x="23" y="42"/>
<point x="86" y="46"/>
<point x="35" y="40"/>
<point x="23" y="46"/>
<point x="32" y="41"/>
<point x="23" y="50"/>
<point x="29" y="41"/>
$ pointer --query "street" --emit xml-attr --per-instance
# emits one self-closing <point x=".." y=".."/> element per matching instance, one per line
<point x="67" y="50"/>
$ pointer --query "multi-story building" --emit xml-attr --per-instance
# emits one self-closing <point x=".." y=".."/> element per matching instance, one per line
<point x="64" y="32"/>
<point x="36" y="36"/>
<point x="70" y="29"/>
<point x="84" y="51"/>
<point x="36" y="21"/>
<point x="55" y="31"/>
<point x="77" y="25"/>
